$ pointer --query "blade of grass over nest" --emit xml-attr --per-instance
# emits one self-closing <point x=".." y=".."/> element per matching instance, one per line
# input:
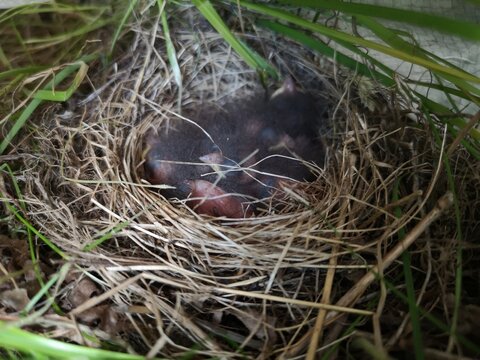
<point x="25" y="342"/>
<point x="467" y="91"/>
<point x="395" y="41"/>
<point x="21" y="42"/>
<point x="16" y="187"/>
<point x="446" y="89"/>
<point x="455" y="120"/>
<point x="21" y="202"/>
<point x="264" y="64"/>
<point x="171" y="52"/>
<point x="453" y="104"/>
<point x="34" y="103"/>
<point x="52" y="7"/>
<point x="407" y="271"/>
<point x="392" y="74"/>
<point x="360" y="68"/>
<point x="357" y="41"/>
<point x="455" y="27"/>
<point x="91" y="17"/>
<point x="249" y="56"/>
<point x="413" y="41"/>
<point x="10" y="13"/>
<point x="452" y="118"/>
<point x="121" y="25"/>
<point x="64" y="95"/>
<point x="328" y="51"/>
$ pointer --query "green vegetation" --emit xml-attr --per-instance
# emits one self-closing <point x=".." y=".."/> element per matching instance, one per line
<point x="46" y="51"/>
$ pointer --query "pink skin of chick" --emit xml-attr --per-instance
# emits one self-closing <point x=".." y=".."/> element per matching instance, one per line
<point x="209" y="199"/>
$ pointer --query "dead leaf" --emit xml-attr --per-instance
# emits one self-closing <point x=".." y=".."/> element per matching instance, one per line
<point x="15" y="299"/>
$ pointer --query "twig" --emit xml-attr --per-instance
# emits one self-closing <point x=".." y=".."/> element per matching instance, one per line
<point x="464" y="132"/>
<point x="357" y="290"/>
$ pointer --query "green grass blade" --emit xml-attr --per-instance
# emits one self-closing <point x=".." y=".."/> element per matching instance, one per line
<point x="326" y="50"/>
<point x="412" y="306"/>
<point x="4" y="59"/>
<point x="64" y="95"/>
<point x="409" y="284"/>
<point x="108" y="235"/>
<point x="385" y="78"/>
<point x="456" y="121"/>
<point x="126" y="15"/>
<point x="21" y="203"/>
<point x="171" y="52"/>
<point x="464" y="29"/>
<point x="208" y="11"/>
<point x="44" y="290"/>
<point x="31" y="228"/>
<point x="458" y="238"/>
<point x="113" y="231"/>
<point x="453" y="122"/>
<point x="51" y="7"/>
<point x="439" y="324"/>
<point x="445" y="89"/>
<point x="395" y="41"/>
<point x="21" y="71"/>
<point x="34" y="103"/>
<point x="67" y="36"/>
<point x="14" y="338"/>
<point x="338" y="35"/>
<point x="466" y="90"/>
<point x="369" y="350"/>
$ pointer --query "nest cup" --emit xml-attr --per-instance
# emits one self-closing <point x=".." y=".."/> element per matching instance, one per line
<point x="203" y="283"/>
<point x="262" y="231"/>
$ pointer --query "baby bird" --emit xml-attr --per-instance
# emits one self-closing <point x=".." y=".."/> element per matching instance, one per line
<point x="209" y="199"/>
<point x="228" y="158"/>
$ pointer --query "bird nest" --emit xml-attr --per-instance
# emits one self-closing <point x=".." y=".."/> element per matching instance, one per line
<point x="160" y="279"/>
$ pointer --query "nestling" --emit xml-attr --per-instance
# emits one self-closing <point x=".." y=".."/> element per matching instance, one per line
<point x="226" y="159"/>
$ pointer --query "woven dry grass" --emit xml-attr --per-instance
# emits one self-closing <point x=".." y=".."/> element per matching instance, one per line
<point x="273" y="285"/>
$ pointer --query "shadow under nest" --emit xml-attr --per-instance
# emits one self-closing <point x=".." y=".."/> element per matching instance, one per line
<point x="174" y="279"/>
